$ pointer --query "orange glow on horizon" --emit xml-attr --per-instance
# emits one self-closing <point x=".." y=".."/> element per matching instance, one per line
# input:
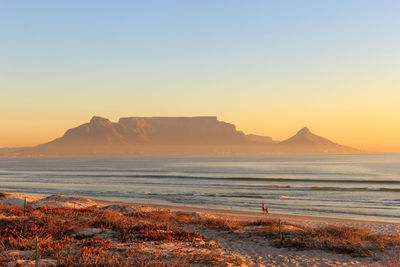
<point x="31" y="133"/>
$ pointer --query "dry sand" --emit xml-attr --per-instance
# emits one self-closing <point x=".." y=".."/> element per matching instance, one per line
<point x="255" y="250"/>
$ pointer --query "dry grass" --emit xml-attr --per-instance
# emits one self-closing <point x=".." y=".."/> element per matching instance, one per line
<point x="134" y="237"/>
<point x="394" y="261"/>
<point x="358" y="242"/>
<point x="56" y="230"/>
<point x="208" y="222"/>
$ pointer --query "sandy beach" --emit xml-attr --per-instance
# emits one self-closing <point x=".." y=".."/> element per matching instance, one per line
<point x="246" y="245"/>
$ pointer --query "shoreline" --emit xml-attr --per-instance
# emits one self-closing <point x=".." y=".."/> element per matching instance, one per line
<point x="306" y="220"/>
<point x="230" y="214"/>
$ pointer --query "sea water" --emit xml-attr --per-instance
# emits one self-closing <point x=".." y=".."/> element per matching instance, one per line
<point x="365" y="187"/>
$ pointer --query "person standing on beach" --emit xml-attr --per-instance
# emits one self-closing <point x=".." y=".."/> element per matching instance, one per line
<point x="265" y="209"/>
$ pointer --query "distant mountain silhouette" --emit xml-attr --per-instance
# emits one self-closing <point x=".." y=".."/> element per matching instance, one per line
<point x="305" y="142"/>
<point x="155" y="130"/>
<point x="171" y="136"/>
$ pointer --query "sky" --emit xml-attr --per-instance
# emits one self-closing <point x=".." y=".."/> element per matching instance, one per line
<point x="269" y="67"/>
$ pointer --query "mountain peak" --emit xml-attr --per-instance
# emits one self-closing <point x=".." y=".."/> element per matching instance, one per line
<point x="304" y="138"/>
<point x="99" y="120"/>
<point x="304" y="131"/>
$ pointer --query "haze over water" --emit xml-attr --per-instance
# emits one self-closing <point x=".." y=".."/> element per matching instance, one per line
<point x="363" y="187"/>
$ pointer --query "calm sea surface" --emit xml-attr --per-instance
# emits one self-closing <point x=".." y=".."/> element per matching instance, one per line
<point x="345" y="186"/>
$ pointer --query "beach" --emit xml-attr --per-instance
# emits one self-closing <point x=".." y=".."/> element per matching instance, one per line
<point x="230" y="240"/>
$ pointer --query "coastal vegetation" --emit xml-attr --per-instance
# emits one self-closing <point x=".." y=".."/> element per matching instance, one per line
<point x="158" y="237"/>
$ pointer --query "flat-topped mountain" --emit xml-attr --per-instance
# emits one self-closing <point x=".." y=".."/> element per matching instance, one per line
<point x="172" y="135"/>
<point x="153" y="130"/>
<point x="191" y="130"/>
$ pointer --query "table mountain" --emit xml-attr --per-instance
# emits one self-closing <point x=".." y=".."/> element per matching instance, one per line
<point x="172" y="136"/>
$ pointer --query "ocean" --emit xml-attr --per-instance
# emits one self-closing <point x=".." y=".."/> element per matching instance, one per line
<point x="365" y="187"/>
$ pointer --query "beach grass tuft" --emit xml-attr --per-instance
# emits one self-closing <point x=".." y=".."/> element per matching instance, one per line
<point x="357" y="242"/>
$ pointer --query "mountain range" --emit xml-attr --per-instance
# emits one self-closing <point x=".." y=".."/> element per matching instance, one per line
<point x="171" y="136"/>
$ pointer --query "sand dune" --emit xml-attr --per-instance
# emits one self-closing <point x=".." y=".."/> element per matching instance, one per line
<point x="246" y="246"/>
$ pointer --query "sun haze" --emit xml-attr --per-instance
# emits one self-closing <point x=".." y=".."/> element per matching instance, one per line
<point x="268" y="67"/>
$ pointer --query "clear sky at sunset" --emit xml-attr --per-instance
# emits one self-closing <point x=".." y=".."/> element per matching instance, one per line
<point x="269" y="67"/>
